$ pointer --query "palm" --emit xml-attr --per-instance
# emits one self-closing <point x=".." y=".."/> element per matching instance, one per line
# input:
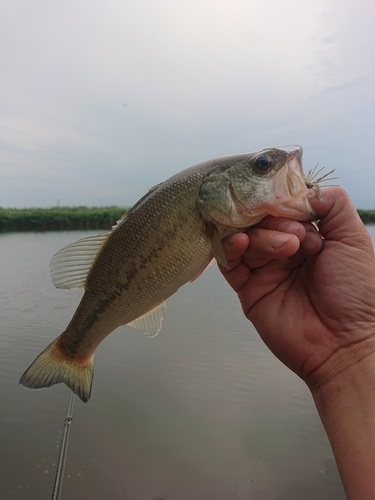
<point x="307" y="307"/>
<point x="297" y="319"/>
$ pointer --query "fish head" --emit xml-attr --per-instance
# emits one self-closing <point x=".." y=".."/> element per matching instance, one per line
<point x="250" y="187"/>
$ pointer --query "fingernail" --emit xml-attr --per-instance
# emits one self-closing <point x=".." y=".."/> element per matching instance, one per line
<point x="279" y="240"/>
<point x="289" y="226"/>
<point x="311" y="241"/>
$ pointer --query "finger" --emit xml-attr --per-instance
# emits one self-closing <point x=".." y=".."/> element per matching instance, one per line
<point x="264" y="281"/>
<point x="312" y="242"/>
<point x="278" y="238"/>
<point x="266" y="245"/>
<point x="283" y="225"/>
<point x="235" y="246"/>
<point x="237" y="273"/>
<point x="306" y="232"/>
<point x="339" y="218"/>
<point x="258" y="248"/>
<point x="238" y="276"/>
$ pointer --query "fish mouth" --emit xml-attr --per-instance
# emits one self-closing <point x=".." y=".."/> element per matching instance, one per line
<point x="291" y="190"/>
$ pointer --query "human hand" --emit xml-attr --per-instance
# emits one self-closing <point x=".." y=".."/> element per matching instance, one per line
<point x="310" y="294"/>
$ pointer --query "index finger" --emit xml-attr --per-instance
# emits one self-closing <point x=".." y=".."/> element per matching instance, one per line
<point x="248" y="251"/>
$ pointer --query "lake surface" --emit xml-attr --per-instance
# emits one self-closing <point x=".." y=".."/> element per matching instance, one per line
<point x="202" y="411"/>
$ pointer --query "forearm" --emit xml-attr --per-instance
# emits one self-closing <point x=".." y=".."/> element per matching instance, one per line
<point x="346" y="405"/>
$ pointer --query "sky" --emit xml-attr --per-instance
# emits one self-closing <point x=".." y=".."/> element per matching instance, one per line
<point x="102" y="99"/>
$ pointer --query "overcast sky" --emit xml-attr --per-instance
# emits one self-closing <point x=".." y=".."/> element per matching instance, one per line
<point x="102" y="99"/>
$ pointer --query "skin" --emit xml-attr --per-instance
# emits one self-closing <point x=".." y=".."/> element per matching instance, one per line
<point x="311" y="295"/>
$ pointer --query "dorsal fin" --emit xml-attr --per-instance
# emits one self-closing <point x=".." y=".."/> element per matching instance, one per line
<point x="131" y="210"/>
<point x="70" y="265"/>
<point x="150" y="323"/>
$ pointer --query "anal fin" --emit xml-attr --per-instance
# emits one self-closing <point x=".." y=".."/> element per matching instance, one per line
<point x="150" y="323"/>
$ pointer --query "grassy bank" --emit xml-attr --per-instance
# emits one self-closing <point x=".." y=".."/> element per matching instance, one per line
<point x="367" y="216"/>
<point x="59" y="218"/>
<point x="63" y="218"/>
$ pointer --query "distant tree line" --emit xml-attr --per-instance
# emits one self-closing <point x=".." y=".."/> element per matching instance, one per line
<point x="367" y="216"/>
<point x="59" y="218"/>
<point x="66" y="218"/>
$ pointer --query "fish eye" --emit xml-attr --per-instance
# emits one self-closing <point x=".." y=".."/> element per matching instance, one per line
<point x="263" y="164"/>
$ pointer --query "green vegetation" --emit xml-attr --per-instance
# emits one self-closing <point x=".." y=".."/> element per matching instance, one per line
<point x="59" y="218"/>
<point x="367" y="216"/>
<point x="64" y="218"/>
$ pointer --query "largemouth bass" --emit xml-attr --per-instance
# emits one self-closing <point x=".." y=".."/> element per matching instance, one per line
<point x="165" y="240"/>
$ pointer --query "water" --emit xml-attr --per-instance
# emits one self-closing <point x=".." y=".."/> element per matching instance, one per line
<point x="203" y="411"/>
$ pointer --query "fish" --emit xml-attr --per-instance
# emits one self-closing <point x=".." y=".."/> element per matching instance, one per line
<point x="168" y="238"/>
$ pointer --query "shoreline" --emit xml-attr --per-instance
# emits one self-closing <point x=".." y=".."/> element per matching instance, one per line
<point x="59" y="218"/>
<point x="75" y="218"/>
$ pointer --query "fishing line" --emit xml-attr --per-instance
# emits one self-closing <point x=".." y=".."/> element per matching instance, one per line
<point x="63" y="448"/>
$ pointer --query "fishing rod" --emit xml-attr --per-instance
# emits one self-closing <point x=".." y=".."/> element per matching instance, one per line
<point x="63" y="448"/>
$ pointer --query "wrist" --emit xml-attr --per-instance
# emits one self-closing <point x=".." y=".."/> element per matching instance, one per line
<point x="345" y="399"/>
<point x="347" y="384"/>
<point x="350" y="368"/>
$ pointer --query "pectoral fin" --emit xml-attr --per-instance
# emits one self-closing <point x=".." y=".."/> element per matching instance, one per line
<point x="216" y="245"/>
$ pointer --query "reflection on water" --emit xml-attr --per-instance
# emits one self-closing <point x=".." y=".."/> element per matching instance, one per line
<point x="203" y="411"/>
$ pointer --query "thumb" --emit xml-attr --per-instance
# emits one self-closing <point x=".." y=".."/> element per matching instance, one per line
<point x="339" y="220"/>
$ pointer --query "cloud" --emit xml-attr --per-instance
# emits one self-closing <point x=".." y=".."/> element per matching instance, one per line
<point x="199" y="80"/>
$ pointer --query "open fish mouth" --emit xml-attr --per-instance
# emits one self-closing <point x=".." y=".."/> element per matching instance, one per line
<point x="292" y="185"/>
<point x="295" y="172"/>
<point x="312" y="181"/>
<point x="291" y="189"/>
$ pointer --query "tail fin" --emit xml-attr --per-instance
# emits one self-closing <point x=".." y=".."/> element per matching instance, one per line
<point x="52" y="367"/>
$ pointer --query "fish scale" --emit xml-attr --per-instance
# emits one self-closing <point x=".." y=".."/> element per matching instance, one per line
<point x="167" y="239"/>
